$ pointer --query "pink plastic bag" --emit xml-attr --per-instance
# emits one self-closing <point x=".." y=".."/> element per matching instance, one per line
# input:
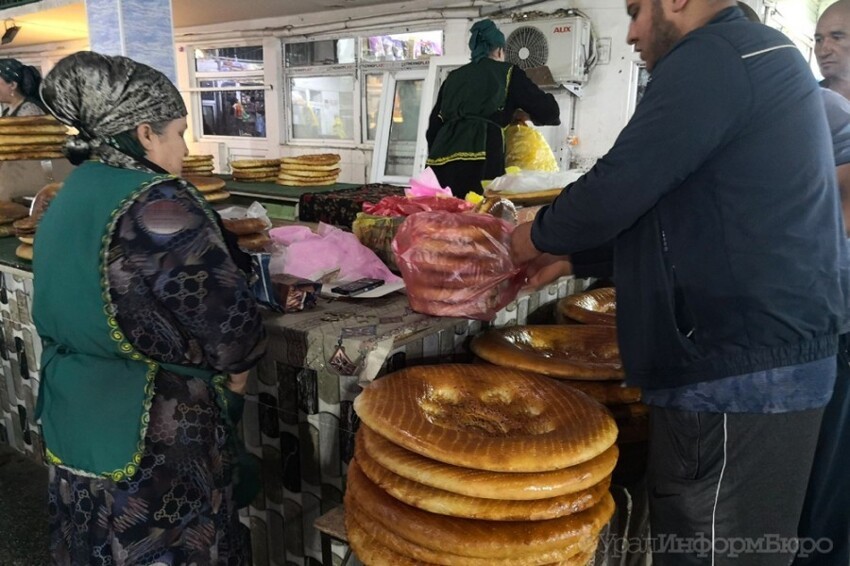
<point x="312" y="255"/>
<point x="457" y="264"/>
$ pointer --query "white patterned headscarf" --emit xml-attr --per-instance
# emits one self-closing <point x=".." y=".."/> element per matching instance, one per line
<point x="105" y="98"/>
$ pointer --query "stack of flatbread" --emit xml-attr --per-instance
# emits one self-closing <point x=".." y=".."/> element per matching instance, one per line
<point x="31" y="137"/>
<point x="212" y="188"/>
<point x="9" y="213"/>
<point x="255" y="170"/>
<point x="197" y="165"/>
<point x="315" y="170"/>
<point x="473" y="465"/>
<point x="26" y="226"/>
<point x="251" y="233"/>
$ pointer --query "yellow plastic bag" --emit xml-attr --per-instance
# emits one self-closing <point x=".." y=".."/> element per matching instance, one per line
<point x="527" y="149"/>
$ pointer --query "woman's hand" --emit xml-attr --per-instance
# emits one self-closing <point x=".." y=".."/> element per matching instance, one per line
<point x="237" y="382"/>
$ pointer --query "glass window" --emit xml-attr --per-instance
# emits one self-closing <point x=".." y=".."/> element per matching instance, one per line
<point x="229" y="59"/>
<point x="323" y="52"/>
<point x="374" y="84"/>
<point x="322" y="107"/>
<point x="401" y="148"/>
<point x="402" y="46"/>
<point x="236" y="111"/>
<point x="232" y="97"/>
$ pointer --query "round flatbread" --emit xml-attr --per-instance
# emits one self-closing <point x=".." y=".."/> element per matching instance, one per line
<point x="47" y="129"/>
<point x="11" y="211"/>
<point x="198" y="158"/>
<point x="27" y="239"/>
<point x="254" y="163"/>
<point x="31" y="155"/>
<point x="29" y="120"/>
<point x="445" y="502"/>
<point x="253" y="242"/>
<point x="258" y="173"/>
<point x="530" y="198"/>
<point x="301" y="174"/>
<point x="524" y="542"/>
<point x="289" y="167"/>
<point x="290" y="182"/>
<point x="271" y="179"/>
<point x="607" y="392"/>
<point x="216" y="196"/>
<point x="598" y="306"/>
<point x="24" y="251"/>
<point x="487" y="418"/>
<point x="312" y="159"/>
<point x="31" y="139"/>
<point x="481" y="483"/>
<point x="573" y="351"/>
<point x="206" y="184"/>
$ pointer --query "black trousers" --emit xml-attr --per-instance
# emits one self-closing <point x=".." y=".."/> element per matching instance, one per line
<point x="727" y="488"/>
<point x="826" y="512"/>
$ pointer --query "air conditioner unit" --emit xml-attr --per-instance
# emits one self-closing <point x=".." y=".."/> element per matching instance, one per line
<point x="561" y="44"/>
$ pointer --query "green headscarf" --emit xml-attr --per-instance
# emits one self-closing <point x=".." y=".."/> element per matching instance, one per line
<point x="484" y="38"/>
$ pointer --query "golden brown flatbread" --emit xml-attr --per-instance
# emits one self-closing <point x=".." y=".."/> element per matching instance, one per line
<point x="598" y="306"/>
<point x="253" y="242"/>
<point x="47" y="129"/>
<point x="24" y="251"/>
<point x="206" y="184"/>
<point x="11" y="141"/>
<point x="522" y="541"/>
<point x="254" y="164"/>
<point x="11" y="211"/>
<point x="445" y="502"/>
<point x="573" y="351"/>
<point x="29" y="120"/>
<point x="311" y="159"/>
<point x="23" y="156"/>
<point x="290" y="167"/>
<point x="258" y="173"/>
<point x="302" y="174"/>
<point x="217" y="196"/>
<point x="487" y="418"/>
<point x="198" y="158"/>
<point x="481" y="483"/>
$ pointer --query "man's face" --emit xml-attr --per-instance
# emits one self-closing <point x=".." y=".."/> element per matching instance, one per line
<point x="652" y="34"/>
<point x="832" y="44"/>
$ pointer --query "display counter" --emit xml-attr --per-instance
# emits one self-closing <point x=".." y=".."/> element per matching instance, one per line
<point x="298" y="420"/>
<point x="280" y="201"/>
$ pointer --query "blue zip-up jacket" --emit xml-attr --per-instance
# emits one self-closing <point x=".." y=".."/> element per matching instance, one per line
<point x="720" y="196"/>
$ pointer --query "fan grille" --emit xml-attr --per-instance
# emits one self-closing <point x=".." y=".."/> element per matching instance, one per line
<point x="526" y="47"/>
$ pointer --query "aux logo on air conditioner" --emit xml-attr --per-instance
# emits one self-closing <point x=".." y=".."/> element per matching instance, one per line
<point x="563" y="29"/>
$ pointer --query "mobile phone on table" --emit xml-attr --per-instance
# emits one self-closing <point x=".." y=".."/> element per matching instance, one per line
<point x="357" y="287"/>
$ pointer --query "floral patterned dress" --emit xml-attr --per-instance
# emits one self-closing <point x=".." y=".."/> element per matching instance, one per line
<point x="180" y="299"/>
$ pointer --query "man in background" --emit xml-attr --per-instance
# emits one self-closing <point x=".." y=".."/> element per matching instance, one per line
<point x="728" y="261"/>
<point x="826" y="512"/>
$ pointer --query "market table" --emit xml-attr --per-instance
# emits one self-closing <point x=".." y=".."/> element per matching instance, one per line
<point x="299" y="422"/>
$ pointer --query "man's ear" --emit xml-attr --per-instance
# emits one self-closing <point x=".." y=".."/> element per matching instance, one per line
<point x="677" y="5"/>
<point x="145" y="134"/>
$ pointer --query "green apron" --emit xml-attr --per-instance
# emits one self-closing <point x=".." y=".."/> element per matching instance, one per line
<point x="466" y="111"/>
<point x="96" y="389"/>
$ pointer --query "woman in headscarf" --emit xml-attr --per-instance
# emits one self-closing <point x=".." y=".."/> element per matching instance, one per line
<point x="465" y="141"/>
<point x="19" y="85"/>
<point x="149" y="329"/>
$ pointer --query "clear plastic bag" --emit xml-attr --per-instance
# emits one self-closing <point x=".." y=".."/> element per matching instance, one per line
<point x="527" y="149"/>
<point x="457" y="264"/>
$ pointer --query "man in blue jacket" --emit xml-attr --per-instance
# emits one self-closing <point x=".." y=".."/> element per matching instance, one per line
<point x="720" y="198"/>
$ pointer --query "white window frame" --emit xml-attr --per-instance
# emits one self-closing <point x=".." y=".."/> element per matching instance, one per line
<point x="433" y="81"/>
<point x="382" y="132"/>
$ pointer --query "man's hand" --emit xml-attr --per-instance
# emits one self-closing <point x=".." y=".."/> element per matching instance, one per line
<point x="238" y="382"/>
<point x="522" y="249"/>
<point x="545" y="269"/>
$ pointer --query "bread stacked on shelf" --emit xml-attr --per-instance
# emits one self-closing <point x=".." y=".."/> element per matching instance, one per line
<point x="251" y="233"/>
<point x="31" y="137"/>
<point x="478" y="466"/>
<point x="314" y="170"/>
<point x="255" y="170"/>
<point x="212" y="188"/>
<point x="25" y="227"/>
<point x="197" y="166"/>
<point x="585" y="356"/>
<point x="9" y="213"/>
